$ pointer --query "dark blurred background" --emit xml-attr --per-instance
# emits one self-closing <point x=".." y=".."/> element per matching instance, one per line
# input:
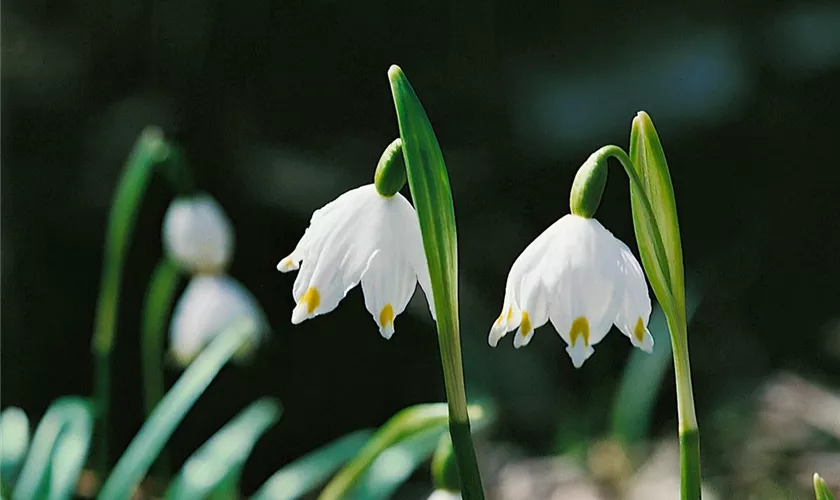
<point x="283" y="105"/>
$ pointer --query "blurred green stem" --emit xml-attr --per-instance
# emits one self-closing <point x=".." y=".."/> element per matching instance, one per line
<point x="159" y="297"/>
<point x="149" y="152"/>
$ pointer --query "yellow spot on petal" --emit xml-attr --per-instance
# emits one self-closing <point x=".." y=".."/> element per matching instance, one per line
<point x="639" y="330"/>
<point x="289" y="263"/>
<point x="525" y="325"/>
<point x="509" y="314"/>
<point x="580" y="328"/>
<point x="312" y="299"/>
<point x="386" y="316"/>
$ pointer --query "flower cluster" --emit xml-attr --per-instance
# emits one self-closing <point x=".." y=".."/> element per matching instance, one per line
<point x="198" y="236"/>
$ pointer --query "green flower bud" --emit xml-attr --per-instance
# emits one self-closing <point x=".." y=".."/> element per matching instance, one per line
<point x="588" y="186"/>
<point x="390" y="172"/>
<point x="444" y="466"/>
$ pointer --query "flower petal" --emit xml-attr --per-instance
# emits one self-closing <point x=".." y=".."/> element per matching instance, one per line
<point x="526" y="264"/>
<point x="405" y="224"/>
<point x="388" y="285"/>
<point x="336" y="250"/>
<point x="197" y="234"/>
<point x="534" y="305"/>
<point x="584" y="269"/>
<point x="209" y="304"/>
<point x="634" y="310"/>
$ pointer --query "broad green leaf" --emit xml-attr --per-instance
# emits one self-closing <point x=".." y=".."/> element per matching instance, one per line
<point x="303" y="475"/>
<point x="396" y="464"/>
<point x="69" y="455"/>
<point x="218" y="463"/>
<point x="59" y="446"/>
<point x="14" y="441"/>
<point x="432" y="197"/>
<point x="649" y="161"/>
<point x="821" y="490"/>
<point x="642" y="378"/>
<point x="151" y="438"/>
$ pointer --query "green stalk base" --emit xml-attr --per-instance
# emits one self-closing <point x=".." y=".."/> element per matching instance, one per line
<point x="690" y="464"/>
<point x="468" y="472"/>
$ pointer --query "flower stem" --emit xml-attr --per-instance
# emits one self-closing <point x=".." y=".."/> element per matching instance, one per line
<point x="148" y="153"/>
<point x="158" y="303"/>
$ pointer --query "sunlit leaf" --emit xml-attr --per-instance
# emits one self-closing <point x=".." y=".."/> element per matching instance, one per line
<point x="148" y="442"/>
<point x="303" y="475"/>
<point x="14" y="437"/>
<point x="649" y="161"/>
<point x="218" y="463"/>
<point x="821" y="490"/>
<point x="396" y="464"/>
<point x="59" y="446"/>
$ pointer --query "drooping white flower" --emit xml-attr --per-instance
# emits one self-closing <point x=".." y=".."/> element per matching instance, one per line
<point x="197" y="234"/>
<point x="209" y="305"/>
<point x="583" y="279"/>
<point x="360" y="236"/>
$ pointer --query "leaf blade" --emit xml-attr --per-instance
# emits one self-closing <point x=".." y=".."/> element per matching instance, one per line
<point x="148" y="442"/>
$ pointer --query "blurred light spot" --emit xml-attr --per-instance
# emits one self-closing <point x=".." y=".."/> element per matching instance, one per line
<point x="679" y="81"/>
<point x="806" y="38"/>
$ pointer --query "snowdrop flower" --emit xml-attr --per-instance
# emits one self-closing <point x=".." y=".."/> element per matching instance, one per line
<point x="209" y="305"/>
<point x="583" y="279"/>
<point x="197" y="234"/>
<point x="360" y="236"/>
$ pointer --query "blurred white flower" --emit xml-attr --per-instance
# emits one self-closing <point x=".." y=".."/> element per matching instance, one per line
<point x="445" y="495"/>
<point x="583" y="279"/>
<point x="360" y="236"/>
<point x="209" y="305"/>
<point x="197" y="234"/>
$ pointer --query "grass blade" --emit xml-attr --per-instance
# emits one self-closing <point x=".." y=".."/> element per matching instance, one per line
<point x="396" y="464"/>
<point x="821" y="490"/>
<point x="146" y="445"/>
<point x="67" y="416"/>
<point x="218" y="463"/>
<point x="14" y="437"/>
<point x="303" y="475"/>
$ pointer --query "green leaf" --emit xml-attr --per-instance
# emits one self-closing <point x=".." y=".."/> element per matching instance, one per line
<point x="218" y="463"/>
<point x="402" y="425"/>
<point x="303" y="475"/>
<point x="649" y="161"/>
<point x="59" y="446"/>
<point x="396" y="464"/>
<point x="642" y="378"/>
<point x="151" y="438"/>
<point x="14" y="437"/>
<point x="821" y="490"/>
<point x="432" y="196"/>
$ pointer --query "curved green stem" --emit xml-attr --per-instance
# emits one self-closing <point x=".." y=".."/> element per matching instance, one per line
<point x="149" y="152"/>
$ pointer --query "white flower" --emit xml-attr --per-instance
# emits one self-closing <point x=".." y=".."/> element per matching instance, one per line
<point x="583" y="279"/>
<point x="441" y="494"/>
<point x="360" y="236"/>
<point x="209" y="305"/>
<point x="197" y="234"/>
